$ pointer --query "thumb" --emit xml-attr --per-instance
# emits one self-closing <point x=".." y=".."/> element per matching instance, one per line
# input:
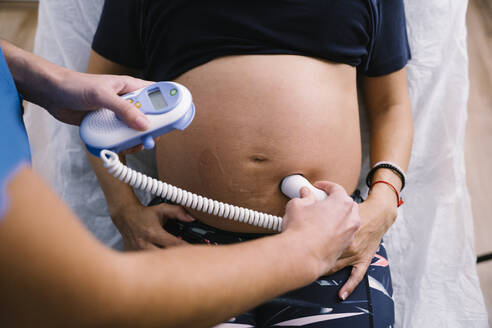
<point x="175" y="212"/>
<point x="330" y="188"/>
<point x="131" y="84"/>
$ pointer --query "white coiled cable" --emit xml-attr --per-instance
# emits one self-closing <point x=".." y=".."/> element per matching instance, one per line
<point x="186" y="198"/>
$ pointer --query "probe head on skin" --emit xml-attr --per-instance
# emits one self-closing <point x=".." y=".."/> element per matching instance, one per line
<point x="292" y="184"/>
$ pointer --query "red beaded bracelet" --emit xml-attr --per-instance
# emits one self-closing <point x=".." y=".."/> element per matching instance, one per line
<point x="399" y="200"/>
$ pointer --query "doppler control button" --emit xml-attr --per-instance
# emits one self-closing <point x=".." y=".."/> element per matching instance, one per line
<point x="148" y="142"/>
<point x="130" y="101"/>
<point x="138" y="105"/>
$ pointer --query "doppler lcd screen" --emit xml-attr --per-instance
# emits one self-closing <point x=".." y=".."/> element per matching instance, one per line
<point x="157" y="99"/>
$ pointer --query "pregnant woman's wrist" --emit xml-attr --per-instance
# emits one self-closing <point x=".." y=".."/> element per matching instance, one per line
<point x="384" y="193"/>
<point x="382" y="199"/>
<point x="118" y="206"/>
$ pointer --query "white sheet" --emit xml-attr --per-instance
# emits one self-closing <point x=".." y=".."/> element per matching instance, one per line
<point x="430" y="246"/>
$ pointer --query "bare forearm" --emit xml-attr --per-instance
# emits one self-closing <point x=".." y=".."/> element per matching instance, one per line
<point x="391" y="127"/>
<point x="214" y="278"/>
<point x="392" y="135"/>
<point x="391" y="140"/>
<point x="117" y="193"/>
<point x="33" y="75"/>
<point x="59" y="276"/>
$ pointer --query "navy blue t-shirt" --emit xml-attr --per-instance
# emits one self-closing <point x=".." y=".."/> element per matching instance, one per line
<point x="166" y="38"/>
<point x="14" y="144"/>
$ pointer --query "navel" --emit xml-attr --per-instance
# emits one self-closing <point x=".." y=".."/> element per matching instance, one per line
<point x="258" y="158"/>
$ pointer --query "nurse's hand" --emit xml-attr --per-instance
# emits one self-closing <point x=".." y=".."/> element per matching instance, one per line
<point x="142" y="226"/>
<point x="74" y="94"/>
<point x="325" y="227"/>
<point x="69" y="95"/>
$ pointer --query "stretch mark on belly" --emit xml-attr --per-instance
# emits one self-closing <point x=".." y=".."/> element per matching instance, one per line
<point x="210" y="167"/>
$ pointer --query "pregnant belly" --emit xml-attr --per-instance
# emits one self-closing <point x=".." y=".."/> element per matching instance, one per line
<point x="259" y="119"/>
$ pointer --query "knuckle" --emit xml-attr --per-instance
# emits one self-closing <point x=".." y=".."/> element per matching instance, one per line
<point x="116" y="82"/>
<point x="355" y="224"/>
<point x="337" y="268"/>
<point x="352" y="249"/>
<point x="348" y="201"/>
<point x="350" y="240"/>
<point x="294" y="203"/>
<point x="338" y="189"/>
<point x="92" y="95"/>
<point x="149" y="232"/>
<point x="127" y="110"/>
<point x="140" y="243"/>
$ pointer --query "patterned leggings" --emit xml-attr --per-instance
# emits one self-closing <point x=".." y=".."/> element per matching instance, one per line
<point x="316" y="305"/>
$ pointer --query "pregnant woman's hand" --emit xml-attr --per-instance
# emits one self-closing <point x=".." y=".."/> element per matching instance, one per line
<point x="375" y="217"/>
<point x="142" y="227"/>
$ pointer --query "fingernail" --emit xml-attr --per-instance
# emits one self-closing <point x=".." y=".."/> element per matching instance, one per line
<point x="344" y="296"/>
<point x="190" y="217"/>
<point x="142" y="123"/>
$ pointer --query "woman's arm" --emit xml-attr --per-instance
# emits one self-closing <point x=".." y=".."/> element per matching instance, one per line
<point x="391" y="137"/>
<point x="55" y="274"/>
<point x="69" y="95"/>
<point x="391" y="125"/>
<point x="140" y="226"/>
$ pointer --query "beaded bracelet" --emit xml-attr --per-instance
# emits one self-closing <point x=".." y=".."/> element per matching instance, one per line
<point x="399" y="200"/>
<point x="386" y="165"/>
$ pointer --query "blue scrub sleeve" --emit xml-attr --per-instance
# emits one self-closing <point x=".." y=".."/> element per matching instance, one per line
<point x="14" y="145"/>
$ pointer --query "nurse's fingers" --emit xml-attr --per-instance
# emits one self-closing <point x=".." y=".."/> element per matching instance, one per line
<point x="165" y="239"/>
<point x="307" y="196"/>
<point x="130" y="84"/>
<point x="331" y="188"/>
<point x="127" y="112"/>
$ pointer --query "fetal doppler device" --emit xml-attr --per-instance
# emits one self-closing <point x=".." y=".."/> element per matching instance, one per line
<point x="168" y="106"/>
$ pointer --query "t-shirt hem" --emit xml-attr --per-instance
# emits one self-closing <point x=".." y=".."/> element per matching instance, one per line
<point x="388" y="67"/>
<point x="118" y="60"/>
